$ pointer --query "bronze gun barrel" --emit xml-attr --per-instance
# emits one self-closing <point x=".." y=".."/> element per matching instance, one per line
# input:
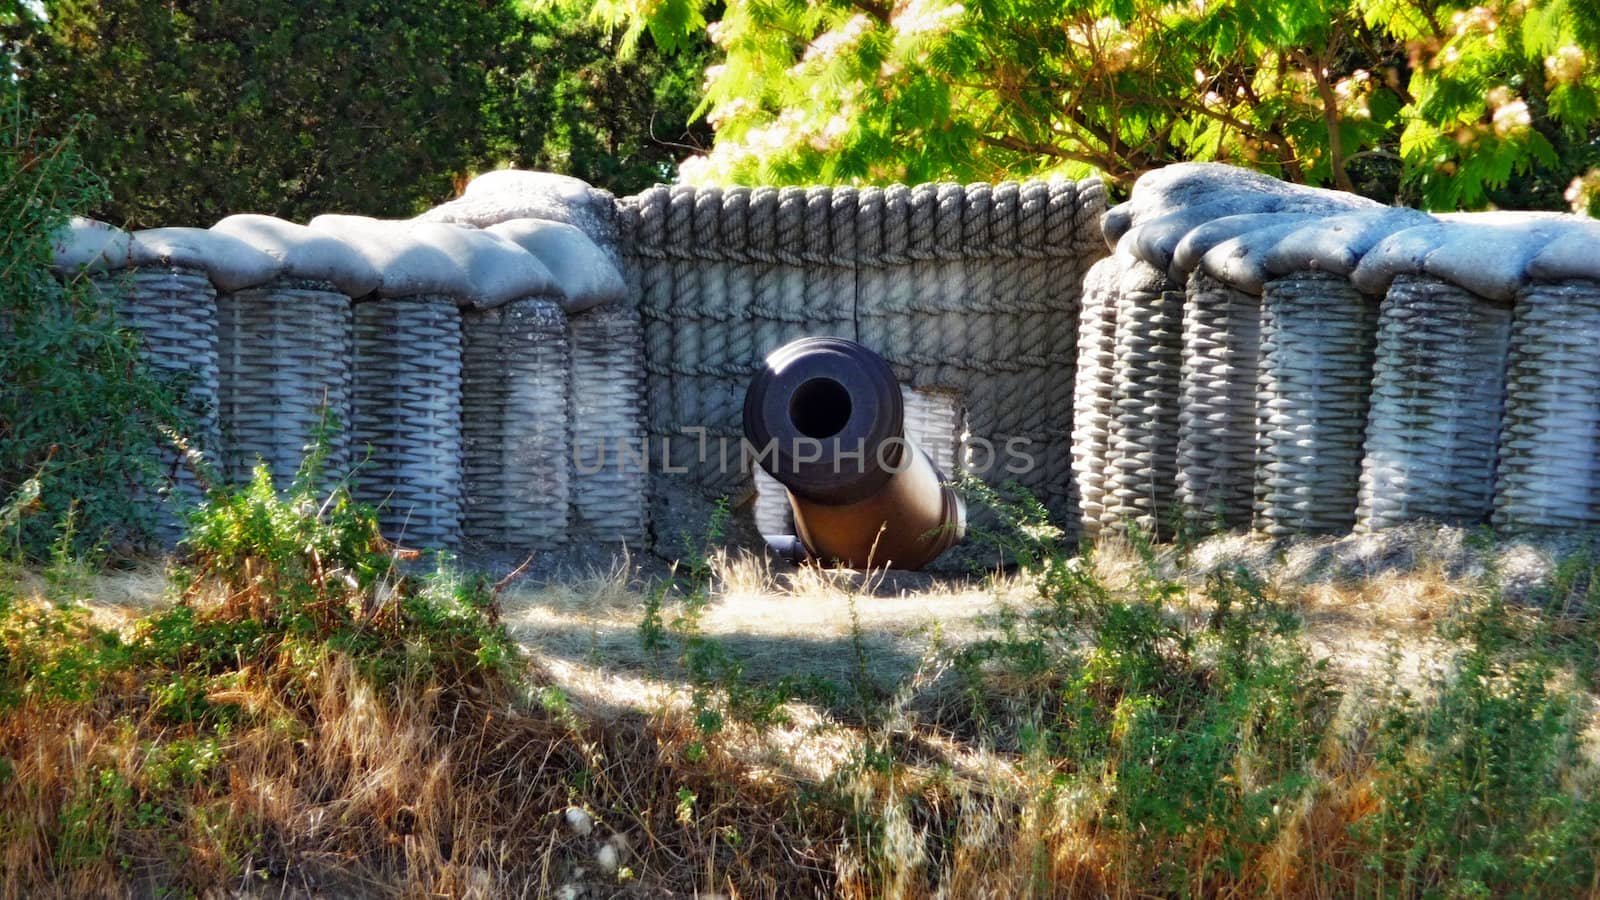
<point x="825" y="418"/>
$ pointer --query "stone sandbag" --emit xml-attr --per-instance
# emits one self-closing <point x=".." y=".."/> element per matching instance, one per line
<point x="507" y="194"/>
<point x="1570" y="255"/>
<point x="584" y="274"/>
<point x="306" y="254"/>
<point x="87" y="245"/>
<point x="1189" y="252"/>
<point x="1336" y="244"/>
<point x="1241" y="262"/>
<point x="1226" y="190"/>
<point x="497" y="270"/>
<point x="407" y="265"/>
<point x="230" y="263"/>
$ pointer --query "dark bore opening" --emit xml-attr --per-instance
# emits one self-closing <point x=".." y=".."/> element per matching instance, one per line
<point x="820" y="408"/>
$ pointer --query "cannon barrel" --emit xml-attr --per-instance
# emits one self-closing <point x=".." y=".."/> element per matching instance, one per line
<point x="825" y="418"/>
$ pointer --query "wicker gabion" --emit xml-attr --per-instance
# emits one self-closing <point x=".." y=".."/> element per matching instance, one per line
<point x="1317" y="335"/>
<point x="1438" y="388"/>
<point x="1141" y="465"/>
<point x="1548" y="475"/>
<point x="1093" y="399"/>
<point x="516" y="425"/>
<point x="174" y="313"/>
<point x="773" y="514"/>
<point x="1217" y="402"/>
<point x="607" y="412"/>
<point x="934" y="421"/>
<point x="284" y="365"/>
<point x="406" y="417"/>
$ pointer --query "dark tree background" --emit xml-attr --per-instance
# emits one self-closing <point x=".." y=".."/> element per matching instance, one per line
<point x="192" y="110"/>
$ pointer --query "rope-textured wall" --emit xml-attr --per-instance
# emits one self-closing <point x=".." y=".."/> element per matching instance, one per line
<point x="284" y="366"/>
<point x="1437" y="391"/>
<point x="1548" y="458"/>
<point x="516" y="427"/>
<point x="1317" y="334"/>
<point x="405" y="426"/>
<point x="970" y="289"/>
<point x="173" y="310"/>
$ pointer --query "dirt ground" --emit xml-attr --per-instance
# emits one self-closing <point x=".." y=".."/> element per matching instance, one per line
<point x="1368" y="602"/>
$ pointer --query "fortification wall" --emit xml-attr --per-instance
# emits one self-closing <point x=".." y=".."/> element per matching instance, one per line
<point x="970" y="292"/>
<point x="538" y="364"/>
<point x="1295" y="360"/>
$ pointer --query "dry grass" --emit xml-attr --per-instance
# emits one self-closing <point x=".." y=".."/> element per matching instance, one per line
<point x="329" y="786"/>
<point x="464" y="789"/>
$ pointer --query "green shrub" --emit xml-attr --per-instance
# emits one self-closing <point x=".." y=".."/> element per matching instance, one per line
<point x="81" y="416"/>
<point x="1480" y="784"/>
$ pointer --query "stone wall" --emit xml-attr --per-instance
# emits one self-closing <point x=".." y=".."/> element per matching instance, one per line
<point x="538" y="364"/>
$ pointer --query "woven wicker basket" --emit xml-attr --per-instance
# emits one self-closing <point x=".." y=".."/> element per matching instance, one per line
<point x="1317" y="335"/>
<point x="1549" y="476"/>
<point x="174" y="313"/>
<point x="1438" y="389"/>
<point x="1093" y="398"/>
<point x="1142" y="462"/>
<point x="608" y="386"/>
<point x="516" y="425"/>
<point x="284" y="352"/>
<point x="1217" y="403"/>
<point x="406" y="417"/>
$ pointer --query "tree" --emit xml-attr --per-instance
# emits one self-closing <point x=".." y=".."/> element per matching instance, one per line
<point x="1433" y="103"/>
<point x="68" y="471"/>
<point x="583" y="107"/>
<point x="195" y="109"/>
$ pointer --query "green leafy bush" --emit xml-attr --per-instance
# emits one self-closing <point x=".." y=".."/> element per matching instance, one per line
<point x="200" y="110"/>
<point x="1445" y="105"/>
<point x="81" y="416"/>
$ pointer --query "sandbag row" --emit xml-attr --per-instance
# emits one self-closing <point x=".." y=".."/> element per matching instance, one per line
<point x="1343" y="364"/>
<point x="435" y="363"/>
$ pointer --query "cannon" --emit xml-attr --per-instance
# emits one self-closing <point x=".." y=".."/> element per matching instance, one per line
<point x="824" y="416"/>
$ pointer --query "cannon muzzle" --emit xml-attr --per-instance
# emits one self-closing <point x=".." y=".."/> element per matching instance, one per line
<point x="825" y="418"/>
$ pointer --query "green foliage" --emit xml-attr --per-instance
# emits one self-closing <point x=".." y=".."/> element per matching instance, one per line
<point x="66" y="365"/>
<point x="1476" y="784"/>
<point x="1444" y="105"/>
<point x="303" y="574"/>
<point x="721" y="692"/>
<point x="205" y="109"/>
<point x="1198" y="730"/>
<point x="309" y="569"/>
<point x="581" y="105"/>
<point x="199" y="110"/>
